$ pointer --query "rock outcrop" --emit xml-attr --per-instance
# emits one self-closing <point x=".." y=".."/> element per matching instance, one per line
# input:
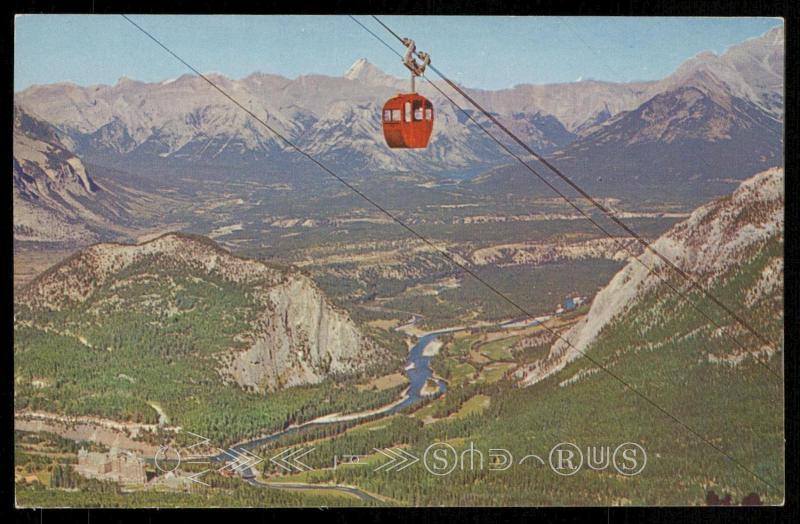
<point x="716" y="238"/>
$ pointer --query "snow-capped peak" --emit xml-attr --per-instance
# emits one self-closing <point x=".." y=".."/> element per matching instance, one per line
<point x="364" y="71"/>
<point x="357" y="68"/>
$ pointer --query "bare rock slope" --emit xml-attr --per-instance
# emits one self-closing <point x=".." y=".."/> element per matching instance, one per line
<point x="51" y="185"/>
<point x="716" y="239"/>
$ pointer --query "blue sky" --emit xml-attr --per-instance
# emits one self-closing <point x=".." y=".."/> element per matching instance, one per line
<point x="485" y="52"/>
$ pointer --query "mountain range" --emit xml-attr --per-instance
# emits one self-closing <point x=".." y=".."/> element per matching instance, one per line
<point x="717" y="118"/>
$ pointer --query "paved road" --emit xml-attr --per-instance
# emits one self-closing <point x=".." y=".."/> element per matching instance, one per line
<point x="363" y="495"/>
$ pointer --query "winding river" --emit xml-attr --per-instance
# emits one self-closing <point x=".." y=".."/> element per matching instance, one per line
<point x="418" y="371"/>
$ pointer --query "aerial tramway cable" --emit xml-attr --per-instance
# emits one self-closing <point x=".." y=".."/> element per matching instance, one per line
<point x="620" y="244"/>
<point x="453" y="259"/>
<point x="694" y="284"/>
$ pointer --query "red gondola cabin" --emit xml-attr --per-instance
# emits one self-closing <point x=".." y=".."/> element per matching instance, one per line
<point x="407" y="121"/>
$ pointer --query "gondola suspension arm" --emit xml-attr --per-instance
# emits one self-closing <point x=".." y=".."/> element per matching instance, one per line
<point x="416" y="68"/>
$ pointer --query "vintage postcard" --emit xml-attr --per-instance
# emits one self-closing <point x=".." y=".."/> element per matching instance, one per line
<point x="306" y="261"/>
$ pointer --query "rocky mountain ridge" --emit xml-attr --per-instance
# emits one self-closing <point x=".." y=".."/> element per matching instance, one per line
<point x="716" y="117"/>
<point x="49" y="181"/>
<point x="715" y="240"/>
<point x="336" y="118"/>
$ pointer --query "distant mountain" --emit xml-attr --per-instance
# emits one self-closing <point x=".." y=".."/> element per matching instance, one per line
<point x="733" y="247"/>
<point x="752" y="71"/>
<point x="715" y="118"/>
<point x="179" y="293"/>
<point x="184" y="119"/>
<point x="60" y="200"/>
<point x="572" y="104"/>
<point x="367" y="73"/>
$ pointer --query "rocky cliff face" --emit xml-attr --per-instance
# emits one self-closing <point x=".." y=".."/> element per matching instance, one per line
<point x="300" y="339"/>
<point x="58" y="199"/>
<point x="290" y="332"/>
<point x="711" y="246"/>
<point x="49" y="184"/>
